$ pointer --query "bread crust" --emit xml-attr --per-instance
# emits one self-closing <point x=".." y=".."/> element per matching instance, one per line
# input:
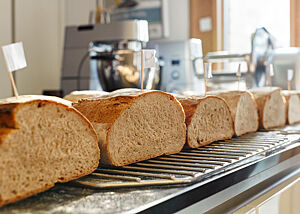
<point x="232" y="98"/>
<point x="190" y="104"/>
<point x="8" y="124"/>
<point x="75" y="96"/>
<point x="287" y="99"/>
<point x="109" y="110"/>
<point x="287" y="95"/>
<point x="261" y="96"/>
<point x="8" y="120"/>
<point x="18" y="198"/>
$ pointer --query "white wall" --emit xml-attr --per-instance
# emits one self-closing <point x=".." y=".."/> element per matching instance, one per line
<point x="76" y="12"/>
<point x="5" y="38"/>
<point x="38" y="25"/>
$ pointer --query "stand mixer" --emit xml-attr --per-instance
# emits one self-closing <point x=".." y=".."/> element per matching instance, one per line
<point x="113" y="51"/>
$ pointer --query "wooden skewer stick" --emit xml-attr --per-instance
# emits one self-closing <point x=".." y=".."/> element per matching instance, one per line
<point x="207" y="75"/>
<point x="239" y="75"/>
<point x="290" y="74"/>
<point x="142" y="71"/>
<point x="13" y="85"/>
<point x="270" y="74"/>
<point x="204" y="79"/>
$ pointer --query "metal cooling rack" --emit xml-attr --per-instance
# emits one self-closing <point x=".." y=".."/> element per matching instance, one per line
<point x="191" y="165"/>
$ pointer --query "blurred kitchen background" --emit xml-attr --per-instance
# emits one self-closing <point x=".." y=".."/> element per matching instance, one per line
<point x="66" y="50"/>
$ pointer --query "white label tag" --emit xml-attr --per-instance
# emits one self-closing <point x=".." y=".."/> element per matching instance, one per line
<point x="208" y="68"/>
<point x="290" y="74"/>
<point x="149" y="59"/>
<point x="14" y="56"/>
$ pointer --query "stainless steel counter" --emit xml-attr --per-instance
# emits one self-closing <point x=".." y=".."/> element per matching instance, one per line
<point x="206" y="193"/>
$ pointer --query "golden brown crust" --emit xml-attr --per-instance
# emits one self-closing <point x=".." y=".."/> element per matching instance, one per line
<point x="8" y="124"/>
<point x="232" y="98"/>
<point x="284" y="102"/>
<point x="261" y="96"/>
<point x="260" y="102"/>
<point x="7" y="115"/>
<point x="190" y="104"/>
<point x="287" y="95"/>
<point x="20" y="197"/>
<point x="287" y="99"/>
<point x="105" y="111"/>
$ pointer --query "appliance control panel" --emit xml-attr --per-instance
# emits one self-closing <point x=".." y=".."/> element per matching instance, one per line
<point x="179" y="69"/>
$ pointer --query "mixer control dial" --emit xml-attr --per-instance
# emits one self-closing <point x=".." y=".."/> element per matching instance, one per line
<point x="175" y="74"/>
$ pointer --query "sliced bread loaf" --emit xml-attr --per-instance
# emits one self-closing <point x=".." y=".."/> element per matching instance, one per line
<point x="43" y="140"/>
<point x="292" y="106"/>
<point x="271" y="107"/>
<point x="243" y="110"/>
<point x="207" y="119"/>
<point x="135" y="125"/>
<point x="74" y="96"/>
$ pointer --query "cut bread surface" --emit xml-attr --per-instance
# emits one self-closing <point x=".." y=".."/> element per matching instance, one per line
<point x="271" y="107"/>
<point x="292" y="106"/>
<point x="135" y="125"/>
<point x="243" y="110"/>
<point x="208" y="119"/>
<point x="43" y="140"/>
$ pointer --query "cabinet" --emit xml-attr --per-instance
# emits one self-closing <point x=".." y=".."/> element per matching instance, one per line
<point x="283" y="199"/>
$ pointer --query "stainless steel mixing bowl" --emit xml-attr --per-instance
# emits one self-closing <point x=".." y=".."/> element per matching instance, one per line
<point x="118" y="66"/>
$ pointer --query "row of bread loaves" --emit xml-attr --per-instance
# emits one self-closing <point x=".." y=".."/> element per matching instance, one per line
<point x="44" y="140"/>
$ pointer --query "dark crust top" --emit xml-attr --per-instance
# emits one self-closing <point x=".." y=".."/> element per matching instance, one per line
<point x="190" y="105"/>
<point x="261" y="96"/>
<point x="6" y="116"/>
<point x="287" y="95"/>
<point x="8" y="120"/>
<point x="106" y="109"/>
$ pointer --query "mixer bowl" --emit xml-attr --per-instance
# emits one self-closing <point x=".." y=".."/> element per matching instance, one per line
<point x="121" y="69"/>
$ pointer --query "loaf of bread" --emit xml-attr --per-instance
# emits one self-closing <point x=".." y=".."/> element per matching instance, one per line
<point x="43" y="140"/>
<point x="207" y="119"/>
<point x="292" y="106"/>
<point x="78" y="95"/>
<point x="243" y="110"/>
<point x="134" y="125"/>
<point x="271" y="107"/>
